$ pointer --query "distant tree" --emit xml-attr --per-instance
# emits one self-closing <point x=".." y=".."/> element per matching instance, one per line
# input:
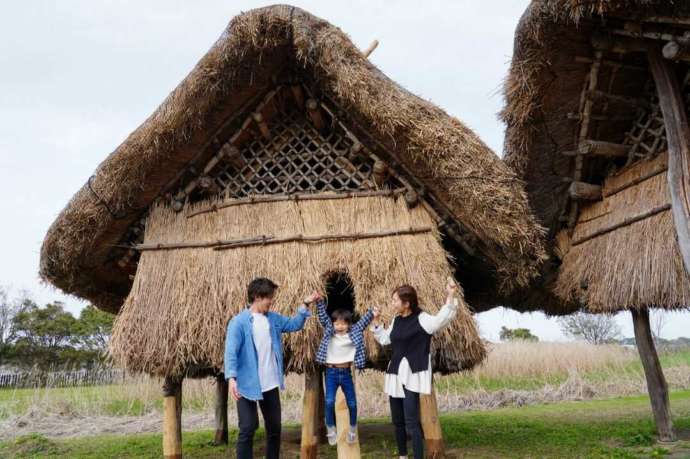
<point x="514" y="334"/>
<point x="44" y="336"/>
<point x="9" y="308"/>
<point x="593" y="328"/>
<point x="94" y="328"/>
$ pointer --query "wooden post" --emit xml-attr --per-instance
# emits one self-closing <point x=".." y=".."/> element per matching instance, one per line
<point x="172" y="418"/>
<point x="656" y="383"/>
<point x="321" y="418"/>
<point x="221" y="412"/>
<point x="310" y="411"/>
<point x="342" y="421"/>
<point x="678" y="138"/>
<point x="431" y="424"/>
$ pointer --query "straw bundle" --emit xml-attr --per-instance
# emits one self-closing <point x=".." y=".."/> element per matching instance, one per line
<point x="637" y="265"/>
<point x="182" y="299"/>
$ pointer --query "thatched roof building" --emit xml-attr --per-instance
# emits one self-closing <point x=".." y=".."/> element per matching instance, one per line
<point x="356" y="184"/>
<point x="585" y="132"/>
<point x="597" y="128"/>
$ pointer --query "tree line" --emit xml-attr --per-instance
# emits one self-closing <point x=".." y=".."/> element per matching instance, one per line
<point x="48" y="337"/>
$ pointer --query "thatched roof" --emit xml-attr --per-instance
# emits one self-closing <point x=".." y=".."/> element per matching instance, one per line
<point x="450" y="160"/>
<point x="544" y="90"/>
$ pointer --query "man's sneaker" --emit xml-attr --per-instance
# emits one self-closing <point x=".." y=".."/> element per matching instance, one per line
<point x="352" y="434"/>
<point x="330" y="435"/>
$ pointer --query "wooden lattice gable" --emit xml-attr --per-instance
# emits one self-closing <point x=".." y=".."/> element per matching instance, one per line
<point x="289" y="144"/>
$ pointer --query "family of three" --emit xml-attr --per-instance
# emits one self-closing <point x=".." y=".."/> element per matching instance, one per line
<point x="254" y="361"/>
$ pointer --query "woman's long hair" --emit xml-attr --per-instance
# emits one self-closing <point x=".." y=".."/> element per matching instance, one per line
<point x="408" y="294"/>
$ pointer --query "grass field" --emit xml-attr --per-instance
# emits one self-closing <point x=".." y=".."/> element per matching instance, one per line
<point x="613" y="428"/>
<point x="569" y="397"/>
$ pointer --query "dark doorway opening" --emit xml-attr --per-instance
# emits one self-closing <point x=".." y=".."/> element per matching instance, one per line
<point x="339" y="292"/>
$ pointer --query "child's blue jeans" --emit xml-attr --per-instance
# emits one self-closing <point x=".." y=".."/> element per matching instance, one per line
<point x="340" y="377"/>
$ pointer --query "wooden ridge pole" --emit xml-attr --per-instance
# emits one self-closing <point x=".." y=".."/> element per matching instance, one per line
<point x="678" y="138"/>
<point x="431" y="424"/>
<point x="656" y="383"/>
<point x="221" y="411"/>
<point x="172" y="418"/>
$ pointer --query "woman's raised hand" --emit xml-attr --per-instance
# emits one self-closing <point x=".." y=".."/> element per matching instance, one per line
<point x="451" y="288"/>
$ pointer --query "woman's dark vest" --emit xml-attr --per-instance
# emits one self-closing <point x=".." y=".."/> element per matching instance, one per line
<point x="411" y="341"/>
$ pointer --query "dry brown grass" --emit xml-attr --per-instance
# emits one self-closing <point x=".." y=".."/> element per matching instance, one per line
<point x="182" y="299"/>
<point x="514" y="374"/>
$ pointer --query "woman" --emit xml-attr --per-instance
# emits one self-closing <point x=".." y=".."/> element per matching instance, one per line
<point x="409" y="371"/>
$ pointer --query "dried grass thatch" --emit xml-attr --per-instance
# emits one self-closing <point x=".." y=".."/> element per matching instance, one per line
<point x="182" y="299"/>
<point x="451" y="161"/>
<point x="635" y="266"/>
<point x="543" y="89"/>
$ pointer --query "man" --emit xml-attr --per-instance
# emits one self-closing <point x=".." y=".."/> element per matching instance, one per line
<point x="254" y="364"/>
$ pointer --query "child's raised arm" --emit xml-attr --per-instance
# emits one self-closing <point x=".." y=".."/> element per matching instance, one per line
<point x="363" y="321"/>
<point x="322" y="314"/>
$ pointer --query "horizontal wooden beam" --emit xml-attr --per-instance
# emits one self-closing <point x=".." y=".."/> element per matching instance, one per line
<point x="268" y="240"/>
<point x="600" y="148"/>
<point x="601" y="96"/>
<point x="295" y="197"/>
<point x="610" y="63"/>
<point x="617" y="44"/>
<point x="584" y="191"/>
<point x="603" y="117"/>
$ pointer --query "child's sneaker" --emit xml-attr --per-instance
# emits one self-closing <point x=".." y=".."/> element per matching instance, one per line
<point x="330" y="435"/>
<point x="352" y="434"/>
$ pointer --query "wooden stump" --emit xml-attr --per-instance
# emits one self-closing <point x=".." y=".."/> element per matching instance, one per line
<point x="431" y="425"/>
<point x="172" y="418"/>
<point x="342" y="421"/>
<point x="656" y="383"/>
<point x="313" y="391"/>
<point x="221" y="411"/>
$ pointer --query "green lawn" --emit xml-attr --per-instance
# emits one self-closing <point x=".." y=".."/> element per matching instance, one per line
<point x="614" y="428"/>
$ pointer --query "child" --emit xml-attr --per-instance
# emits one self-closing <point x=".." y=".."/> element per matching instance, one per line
<point x="342" y="344"/>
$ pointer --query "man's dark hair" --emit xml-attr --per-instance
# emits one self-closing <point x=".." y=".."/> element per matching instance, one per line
<point x="342" y="314"/>
<point x="260" y="287"/>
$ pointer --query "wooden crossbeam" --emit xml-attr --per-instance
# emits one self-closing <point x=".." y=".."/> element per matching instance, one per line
<point x="602" y="96"/>
<point x="617" y="44"/>
<point x="600" y="148"/>
<point x="584" y="191"/>
<point x="268" y="240"/>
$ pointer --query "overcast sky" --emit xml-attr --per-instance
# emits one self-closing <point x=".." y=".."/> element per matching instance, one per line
<point x="77" y="76"/>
